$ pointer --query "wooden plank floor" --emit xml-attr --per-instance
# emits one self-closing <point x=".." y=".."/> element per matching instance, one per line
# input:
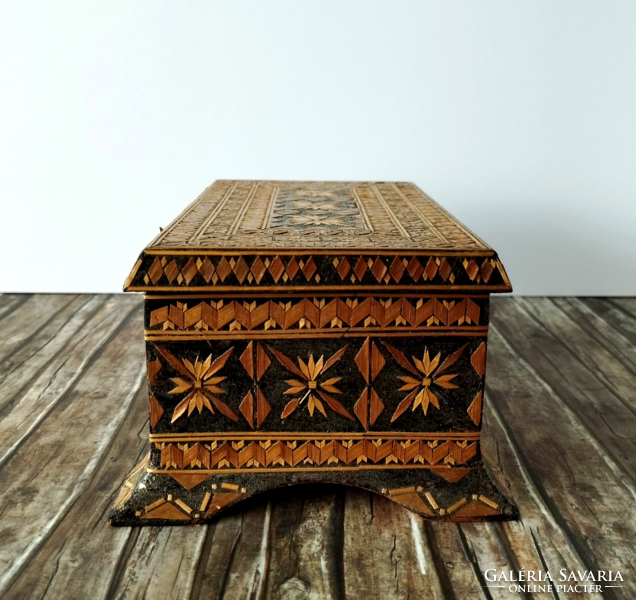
<point x="560" y="421"/>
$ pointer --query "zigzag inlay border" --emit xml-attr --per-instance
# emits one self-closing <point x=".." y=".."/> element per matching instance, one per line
<point x="318" y="313"/>
<point x="203" y="272"/>
<point x="239" y="454"/>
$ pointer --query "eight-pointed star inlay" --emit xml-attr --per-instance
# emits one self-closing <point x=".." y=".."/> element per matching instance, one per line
<point x="201" y="384"/>
<point x="310" y="386"/>
<point x="427" y="373"/>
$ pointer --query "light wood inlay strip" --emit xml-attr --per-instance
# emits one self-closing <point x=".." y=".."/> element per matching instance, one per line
<point x="389" y="212"/>
<point x="239" y="295"/>
<point x="249" y="335"/>
<point x="168" y="229"/>
<point x="277" y="436"/>
<point x="459" y="225"/>
<point x="270" y="209"/>
<point x="363" y="212"/>
<point x="362" y="467"/>
<point x="213" y="214"/>
<point x="317" y="289"/>
<point x="314" y="251"/>
<point x="421" y="215"/>
<point x="292" y="331"/>
<point x="243" y="210"/>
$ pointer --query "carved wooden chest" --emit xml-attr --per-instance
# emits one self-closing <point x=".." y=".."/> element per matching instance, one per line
<point x="314" y="332"/>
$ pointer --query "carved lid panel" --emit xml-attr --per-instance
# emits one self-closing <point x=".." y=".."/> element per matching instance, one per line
<point x="305" y="234"/>
<point x="297" y="214"/>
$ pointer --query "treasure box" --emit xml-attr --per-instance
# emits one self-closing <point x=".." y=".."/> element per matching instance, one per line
<point x="303" y="332"/>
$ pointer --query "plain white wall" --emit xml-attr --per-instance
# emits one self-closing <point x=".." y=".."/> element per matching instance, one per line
<point x="519" y="117"/>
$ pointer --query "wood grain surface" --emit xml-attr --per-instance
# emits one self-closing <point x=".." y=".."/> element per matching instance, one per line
<point x="559" y="423"/>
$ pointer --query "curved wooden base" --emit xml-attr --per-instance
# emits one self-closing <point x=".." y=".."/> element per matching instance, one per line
<point x="439" y="494"/>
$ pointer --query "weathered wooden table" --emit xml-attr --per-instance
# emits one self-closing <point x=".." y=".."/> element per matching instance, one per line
<point x="560" y="419"/>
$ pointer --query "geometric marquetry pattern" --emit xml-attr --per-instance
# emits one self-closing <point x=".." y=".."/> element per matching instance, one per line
<point x="175" y="509"/>
<point x="218" y="270"/>
<point x="355" y="268"/>
<point x="311" y="385"/>
<point x="474" y="410"/>
<point x="296" y="214"/>
<point x="317" y="313"/>
<point x="479" y="272"/>
<point x="478" y="359"/>
<point x="370" y="362"/>
<point x="199" y="383"/>
<point x="476" y="505"/>
<point x="242" y="454"/>
<point x="478" y="362"/>
<point x="156" y="410"/>
<point x="255" y="406"/>
<point x="229" y="270"/>
<point x="413" y="269"/>
<point x="428" y="373"/>
<point x="171" y="508"/>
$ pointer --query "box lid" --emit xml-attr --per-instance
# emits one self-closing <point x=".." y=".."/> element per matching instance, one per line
<point x="260" y="235"/>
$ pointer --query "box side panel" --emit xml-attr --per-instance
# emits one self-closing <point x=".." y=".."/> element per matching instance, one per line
<point x="380" y="398"/>
<point x="399" y="369"/>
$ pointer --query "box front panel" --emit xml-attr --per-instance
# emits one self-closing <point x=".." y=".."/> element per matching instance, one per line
<point x="294" y="383"/>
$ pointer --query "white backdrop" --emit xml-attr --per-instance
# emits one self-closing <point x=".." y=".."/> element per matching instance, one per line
<point x="519" y="117"/>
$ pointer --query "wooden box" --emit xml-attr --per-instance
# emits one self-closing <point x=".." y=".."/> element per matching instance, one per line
<point x="314" y="332"/>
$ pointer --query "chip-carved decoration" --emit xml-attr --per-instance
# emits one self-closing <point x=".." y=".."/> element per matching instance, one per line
<point x="200" y="386"/>
<point x="311" y="386"/>
<point x="202" y="494"/>
<point x="317" y="313"/>
<point x="200" y="383"/>
<point x="270" y="453"/>
<point x="304" y="214"/>
<point x="370" y="362"/>
<point x="427" y="372"/>
<point x="256" y="362"/>
<point x="311" y="209"/>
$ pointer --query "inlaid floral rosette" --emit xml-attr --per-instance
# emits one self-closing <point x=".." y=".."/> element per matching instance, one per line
<point x="314" y="332"/>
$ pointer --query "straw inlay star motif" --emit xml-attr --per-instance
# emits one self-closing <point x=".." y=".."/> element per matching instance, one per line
<point x="427" y="372"/>
<point x="310" y="387"/>
<point x="203" y="388"/>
